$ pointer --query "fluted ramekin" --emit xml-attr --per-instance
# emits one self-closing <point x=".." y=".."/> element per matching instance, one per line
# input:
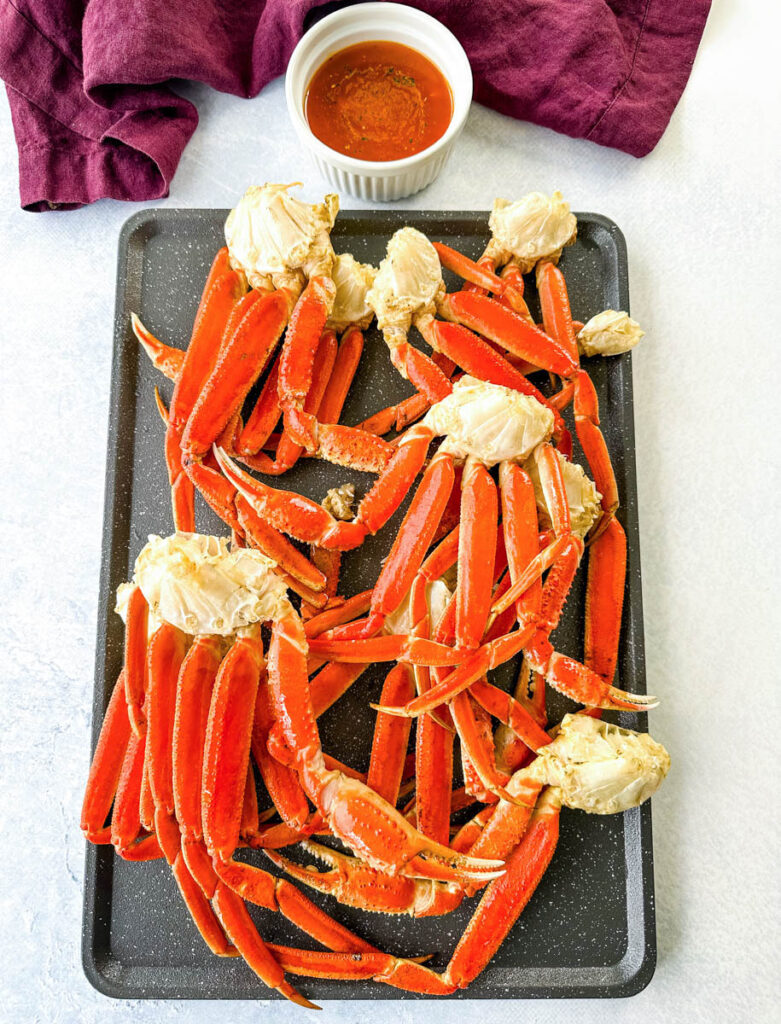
<point x="374" y="179"/>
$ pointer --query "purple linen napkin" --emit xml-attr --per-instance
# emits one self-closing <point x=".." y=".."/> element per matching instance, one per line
<point x="94" y="119"/>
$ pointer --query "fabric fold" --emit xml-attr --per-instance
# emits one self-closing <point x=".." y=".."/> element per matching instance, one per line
<point x="94" y="117"/>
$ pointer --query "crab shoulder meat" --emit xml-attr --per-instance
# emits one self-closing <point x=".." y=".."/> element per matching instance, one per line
<point x="489" y="422"/>
<point x="407" y="286"/>
<point x="609" y="334"/>
<point x="353" y="281"/>
<point x="582" y="496"/>
<point x="530" y="229"/>
<point x="600" y="768"/>
<point x="339" y="501"/>
<point x="438" y="595"/>
<point x="193" y="582"/>
<point x="277" y="239"/>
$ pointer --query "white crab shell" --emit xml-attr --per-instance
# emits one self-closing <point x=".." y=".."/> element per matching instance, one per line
<point x="353" y="281"/>
<point x="600" y="768"/>
<point x="408" y="284"/>
<point x="609" y="334"/>
<point x="193" y="582"/>
<point x="582" y="496"/>
<point x="530" y="229"/>
<point x="277" y="239"/>
<point x="489" y="422"/>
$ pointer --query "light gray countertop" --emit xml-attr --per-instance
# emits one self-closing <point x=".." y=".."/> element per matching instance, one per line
<point x="700" y="216"/>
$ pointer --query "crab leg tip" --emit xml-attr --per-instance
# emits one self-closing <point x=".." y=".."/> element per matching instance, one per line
<point x="386" y="709"/>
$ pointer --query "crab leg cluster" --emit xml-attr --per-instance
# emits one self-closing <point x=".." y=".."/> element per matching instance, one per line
<point x="209" y="696"/>
<point x="223" y="679"/>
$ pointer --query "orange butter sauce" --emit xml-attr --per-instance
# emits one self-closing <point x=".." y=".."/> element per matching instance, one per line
<point x="378" y="100"/>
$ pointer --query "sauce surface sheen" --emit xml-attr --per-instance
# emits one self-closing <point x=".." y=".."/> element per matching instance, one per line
<point x="378" y="100"/>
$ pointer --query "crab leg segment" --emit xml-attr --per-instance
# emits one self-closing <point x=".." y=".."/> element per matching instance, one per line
<point x="520" y="531"/>
<point x="106" y="766"/>
<point x="554" y="489"/>
<point x="476" y="553"/>
<point x="166" y="655"/>
<point x="413" y="649"/>
<point x="223" y="289"/>
<point x="594" y="447"/>
<point x="511" y="712"/>
<point x="391" y="736"/>
<point x="193" y="697"/>
<point x="510" y="330"/>
<point x="530" y="575"/>
<point x="259" y="322"/>
<point x="356" y="605"/>
<point x="125" y="817"/>
<point x="434" y="738"/>
<point x="227" y="745"/>
<point x="434" y="778"/>
<point x="274" y="544"/>
<point x="241" y="930"/>
<point x="288" y="452"/>
<point x="263" y="418"/>
<point x="570" y="677"/>
<point x="413" y="540"/>
<point x="329" y="563"/>
<point x="556" y="313"/>
<point x="397" y="417"/>
<point x="392" y="486"/>
<point x="477" y="737"/>
<point x="480" y="274"/>
<point x="475" y="355"/>
<point x="298" y="355"/>
<point x="580" y="683"/>
<point x="345" y="367"/>
<point x="474" y="743"/>
<point x="421" y="371"/>
<point x="135" y="659"/>
<point x="280" y="780"/>
<point x="504" y="828"/>
<point x="604" y="600"/>
<point x="409" y="975"/>
<point x="506" y="897"/>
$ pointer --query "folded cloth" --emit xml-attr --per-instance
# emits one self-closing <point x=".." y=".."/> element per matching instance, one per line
<point x="93" y="117"/>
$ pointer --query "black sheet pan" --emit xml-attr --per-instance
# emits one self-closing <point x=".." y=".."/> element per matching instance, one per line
<point x="589" y="930"/>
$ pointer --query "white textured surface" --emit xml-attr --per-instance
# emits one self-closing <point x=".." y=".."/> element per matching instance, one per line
<point x="699" y="217"/>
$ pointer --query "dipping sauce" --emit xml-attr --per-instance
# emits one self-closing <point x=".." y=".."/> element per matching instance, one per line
<point x="378" y="100"/>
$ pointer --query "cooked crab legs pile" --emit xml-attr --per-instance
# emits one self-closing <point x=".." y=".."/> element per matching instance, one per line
<point x="224" y="677"/>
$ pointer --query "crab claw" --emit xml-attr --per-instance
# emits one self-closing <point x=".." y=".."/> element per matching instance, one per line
<point x="356" y="884"/>
<point x="580" y="683"/>
<point x="383" y="838"/>
<point x="292" y="513"/>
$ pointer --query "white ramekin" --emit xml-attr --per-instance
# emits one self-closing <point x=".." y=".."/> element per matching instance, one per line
<point x="372" y="179"/>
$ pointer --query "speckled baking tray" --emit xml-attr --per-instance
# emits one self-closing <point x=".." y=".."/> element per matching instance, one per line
<point x="589" y="929"/>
